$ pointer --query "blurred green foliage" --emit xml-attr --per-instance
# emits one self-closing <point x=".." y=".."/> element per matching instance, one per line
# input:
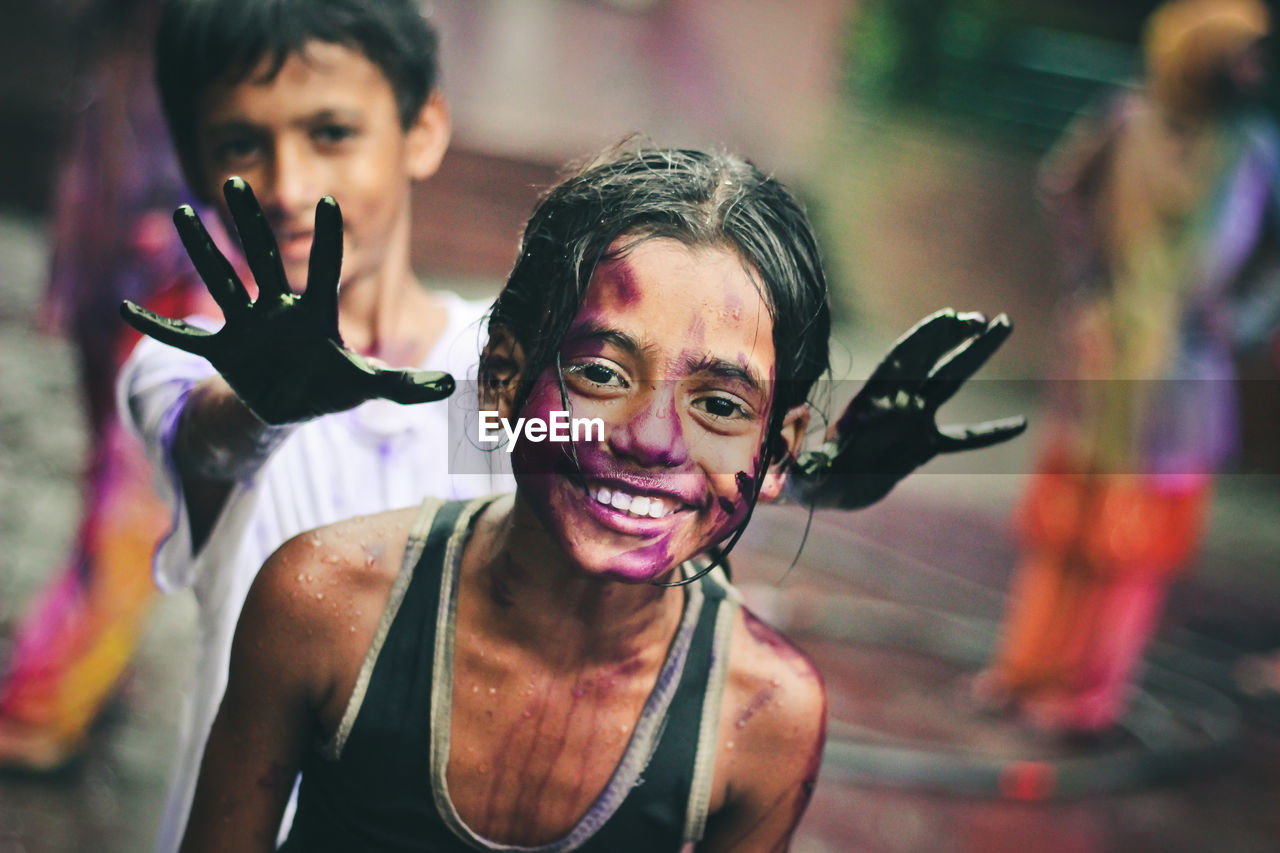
<point x="1020" y="68"/>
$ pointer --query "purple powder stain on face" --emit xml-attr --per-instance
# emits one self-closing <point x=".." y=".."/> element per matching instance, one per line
<point x="727" y="506"/>
<point x="618" y="272"/>
<point x="746" y="484"/>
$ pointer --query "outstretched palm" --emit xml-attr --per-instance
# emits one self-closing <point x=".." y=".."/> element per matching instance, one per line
<point x="282" y="355"/>
<point x="888" y="430"/>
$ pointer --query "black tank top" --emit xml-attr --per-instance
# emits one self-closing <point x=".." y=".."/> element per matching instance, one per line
<point x="379" y="784"/>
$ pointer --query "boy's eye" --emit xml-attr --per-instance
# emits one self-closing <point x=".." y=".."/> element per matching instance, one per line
<point x="332" y="134"/>
<point x="235" y="149"/>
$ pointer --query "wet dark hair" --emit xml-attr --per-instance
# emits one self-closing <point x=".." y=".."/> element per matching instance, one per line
<point x="202" y="42"/>
<point x="703" y="200"/>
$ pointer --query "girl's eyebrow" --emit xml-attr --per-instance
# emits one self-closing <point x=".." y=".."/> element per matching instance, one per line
<point x="724" y="369"/>
<point x="593" y="331"/>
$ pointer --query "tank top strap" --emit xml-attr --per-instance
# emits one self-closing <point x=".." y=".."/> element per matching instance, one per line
<point x="672" y="798"/>
<point x="405" y="635"/>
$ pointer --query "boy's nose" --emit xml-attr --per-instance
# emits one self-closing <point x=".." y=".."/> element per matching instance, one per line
<point x="652" y="435"/>
<point x="296" y="184"/>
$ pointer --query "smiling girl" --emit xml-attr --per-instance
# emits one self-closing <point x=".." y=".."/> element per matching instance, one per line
<point x="525" y="672"/>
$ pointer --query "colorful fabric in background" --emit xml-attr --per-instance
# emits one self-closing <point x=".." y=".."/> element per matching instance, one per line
<point x="112" y="239"/>
<point x="1166" y="204"/>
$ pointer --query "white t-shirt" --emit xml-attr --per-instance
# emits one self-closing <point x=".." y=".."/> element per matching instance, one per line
<point x="375" y="457"/>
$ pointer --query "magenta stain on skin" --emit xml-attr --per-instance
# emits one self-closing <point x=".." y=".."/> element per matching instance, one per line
<point x="732" y="300"/>
<point x="762" y="698"/>
<point x="618" y="272"/>
<point x="766" y="636"/>
<point x="746" y="484"/>
<point x="727" y="506"/>
<point x="698" y="330"/>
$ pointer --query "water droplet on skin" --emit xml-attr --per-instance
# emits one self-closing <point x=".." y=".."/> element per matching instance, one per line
<point x="353" y="629"/>
<point x="368" y="562"/>
<point x="492" y="690"/>
<point x="475" y="688"/>
<point x="526" y="713"/>
<point x="319" y="596"/>
<point x="742" y="724"/>
<point x="729" y="745"/>
<point x="310" y="578"/>
<point x="299" y="576"/>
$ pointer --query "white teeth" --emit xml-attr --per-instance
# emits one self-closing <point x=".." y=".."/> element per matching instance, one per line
<point x="640" y="506"/>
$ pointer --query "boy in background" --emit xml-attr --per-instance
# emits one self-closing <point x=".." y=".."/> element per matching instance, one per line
<point x="303" y="99"/>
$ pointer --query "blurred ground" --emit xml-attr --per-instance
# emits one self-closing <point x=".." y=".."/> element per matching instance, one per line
<point x="939" y="543"/>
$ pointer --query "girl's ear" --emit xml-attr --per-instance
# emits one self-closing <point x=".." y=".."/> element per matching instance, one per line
<point x="427" y="138"/>
<point x="500" y="367"/>
<point x="794" y="426"/>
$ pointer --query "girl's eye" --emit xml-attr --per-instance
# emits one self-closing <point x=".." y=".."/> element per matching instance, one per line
<point x="597" y="374"/>
<point x="723" y="408"/>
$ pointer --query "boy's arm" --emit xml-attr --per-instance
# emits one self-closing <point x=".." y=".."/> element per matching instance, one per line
<point x="277" y="679"/>
<point x="772" y="731"/>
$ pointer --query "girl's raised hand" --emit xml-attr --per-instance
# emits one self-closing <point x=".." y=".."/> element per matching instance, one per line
<point x="889" y="429"/>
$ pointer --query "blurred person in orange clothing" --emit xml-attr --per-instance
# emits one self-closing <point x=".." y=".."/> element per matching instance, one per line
<point x="1166" y="203"/>
<point x="111" y="240"/>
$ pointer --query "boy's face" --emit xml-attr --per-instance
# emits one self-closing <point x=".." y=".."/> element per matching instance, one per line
<point x="327" y="123"/>
<point x="673" y="350"/>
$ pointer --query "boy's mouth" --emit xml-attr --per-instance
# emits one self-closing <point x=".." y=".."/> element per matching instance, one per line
<point x="295" y="246"/>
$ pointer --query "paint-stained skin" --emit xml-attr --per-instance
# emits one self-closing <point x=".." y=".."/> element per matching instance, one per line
<point x="553" y="729"/>
<point x="655" y="444"/>
<point x="760" y="702"/>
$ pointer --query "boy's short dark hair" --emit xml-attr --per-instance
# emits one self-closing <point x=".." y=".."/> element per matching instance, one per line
<point x="202" y="42"/>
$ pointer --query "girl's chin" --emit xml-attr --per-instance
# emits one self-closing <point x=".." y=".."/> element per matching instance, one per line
<point x="625" y="567"/>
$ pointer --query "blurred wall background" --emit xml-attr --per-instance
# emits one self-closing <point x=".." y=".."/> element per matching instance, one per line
<point x="912" y="128"/>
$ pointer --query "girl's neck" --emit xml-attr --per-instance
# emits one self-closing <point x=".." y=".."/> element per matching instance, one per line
<point x="538" y="597"/>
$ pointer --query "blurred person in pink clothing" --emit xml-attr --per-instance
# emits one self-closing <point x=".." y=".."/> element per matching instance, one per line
<point x="111" y="240"/>
<point x="1166" y="204"/>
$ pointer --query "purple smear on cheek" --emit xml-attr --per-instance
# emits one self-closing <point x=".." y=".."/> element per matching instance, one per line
<point x="746" y="485"/>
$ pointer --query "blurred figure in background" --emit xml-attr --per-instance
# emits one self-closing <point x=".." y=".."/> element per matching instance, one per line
<point x="1166" y="205"/>
<point x="112" y="239"/>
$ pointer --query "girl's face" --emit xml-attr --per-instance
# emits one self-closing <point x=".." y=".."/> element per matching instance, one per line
<point x="673" y="350"/>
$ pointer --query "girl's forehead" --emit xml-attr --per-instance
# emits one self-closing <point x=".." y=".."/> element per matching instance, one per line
<point x="669" y="296"/>
<point x="669" y="274"/>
